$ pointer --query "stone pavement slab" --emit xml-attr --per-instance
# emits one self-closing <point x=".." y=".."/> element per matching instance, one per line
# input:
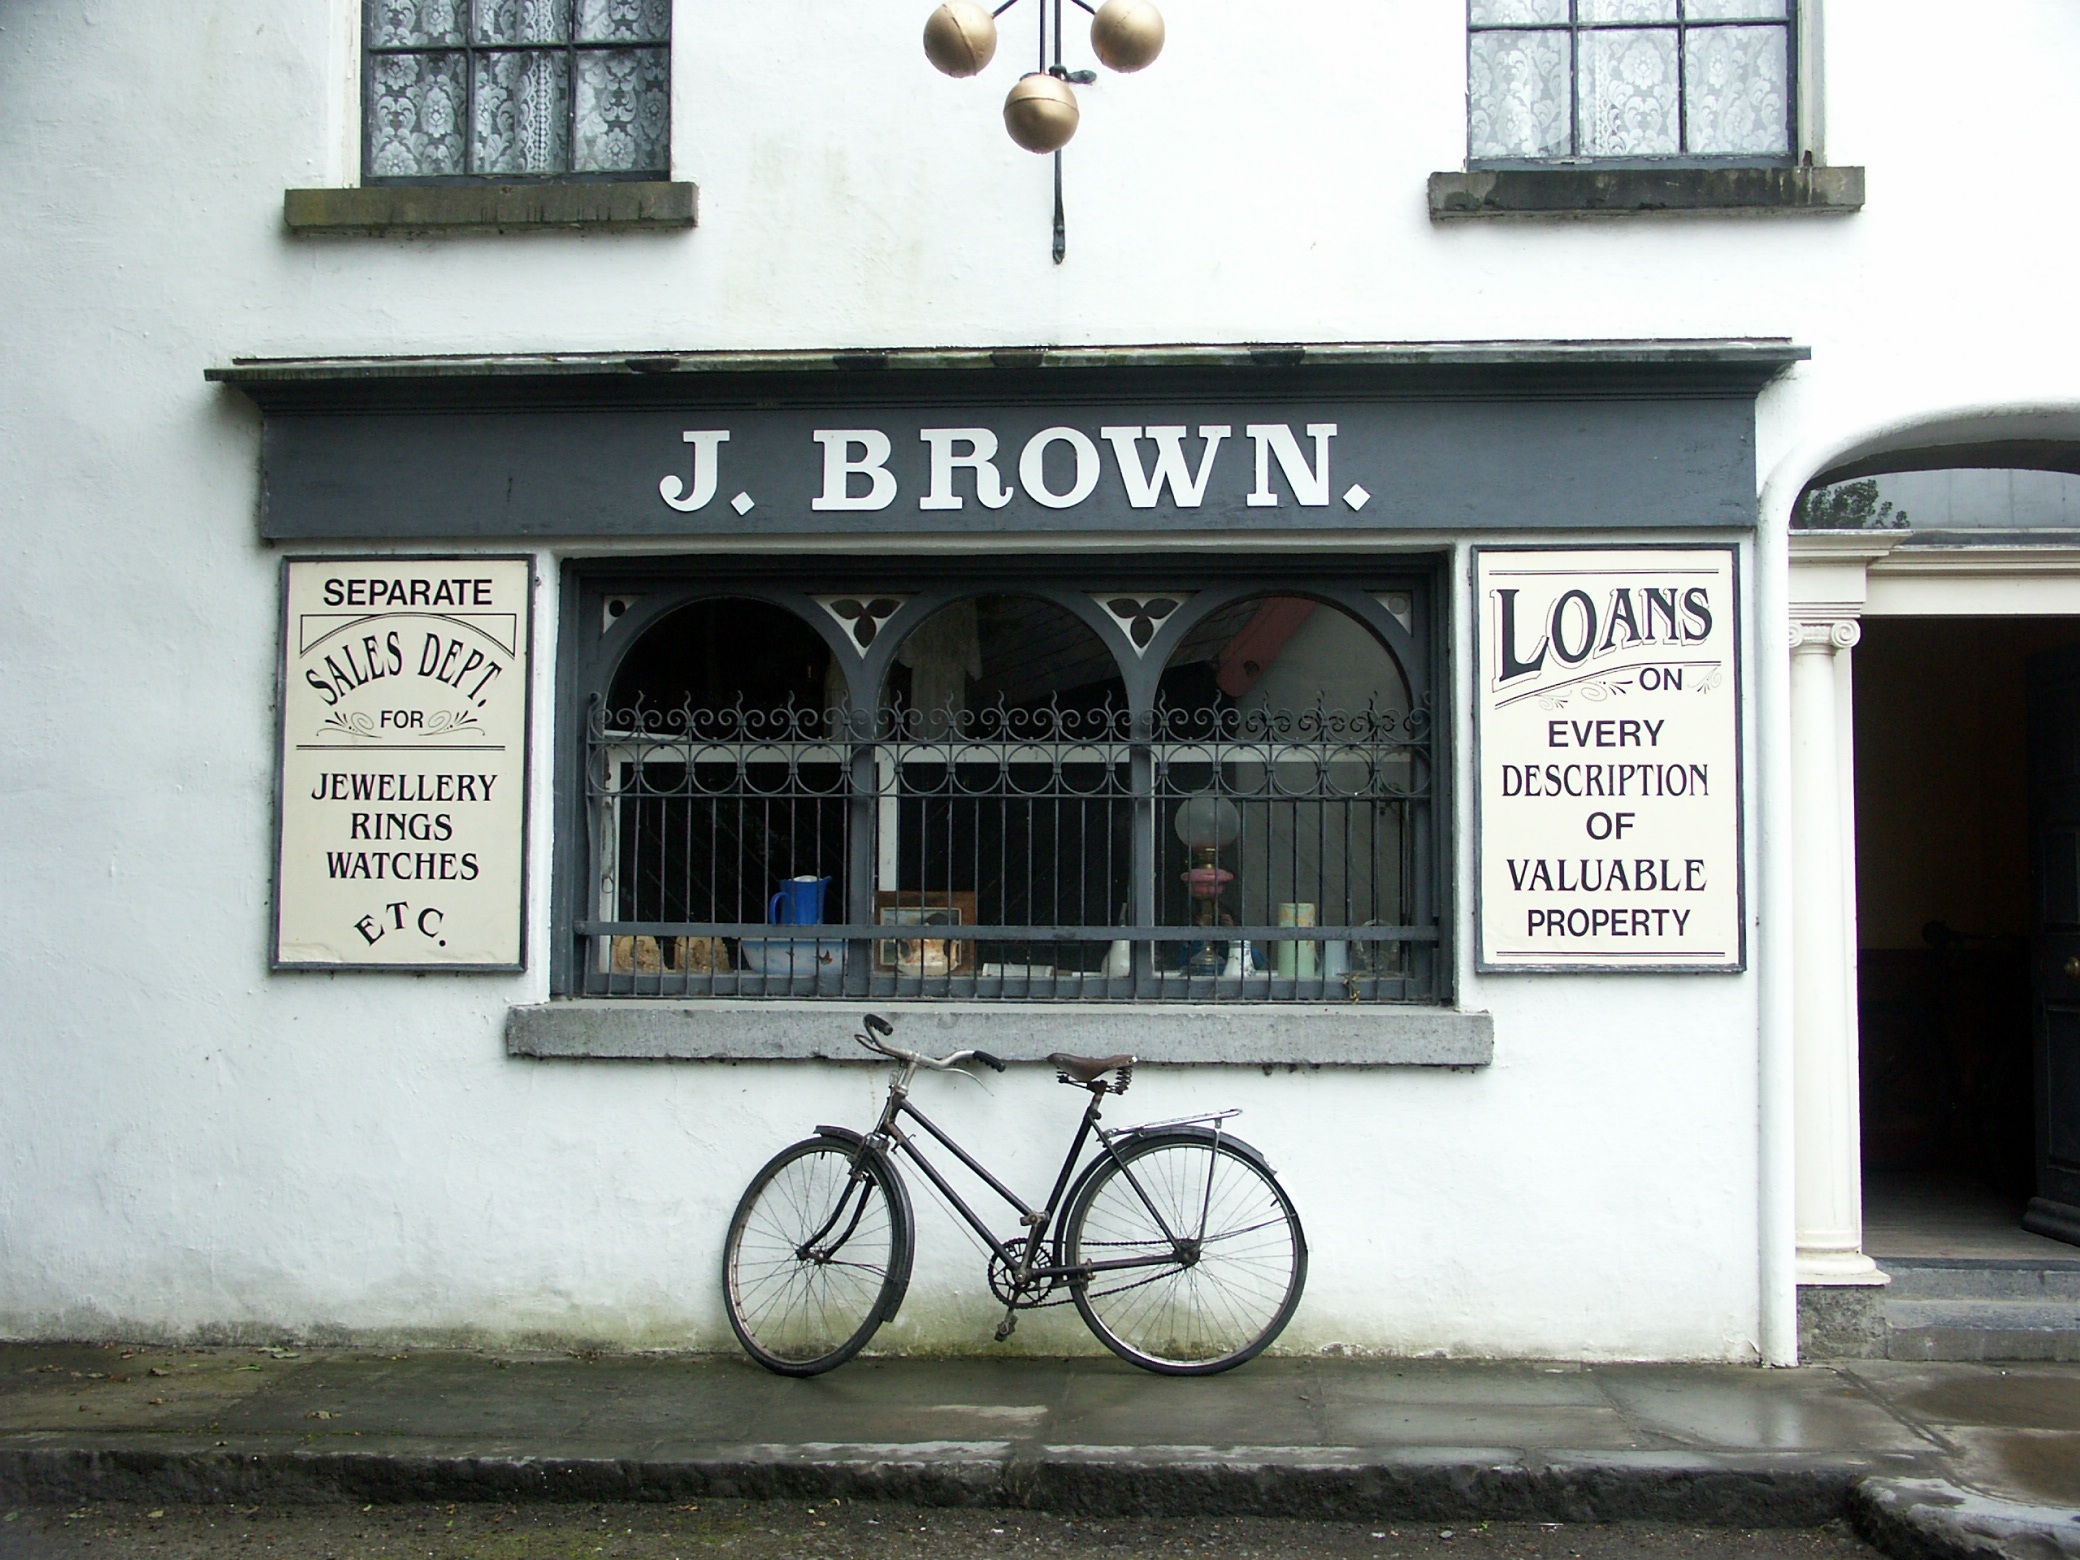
<point x="1955" y="1459"/>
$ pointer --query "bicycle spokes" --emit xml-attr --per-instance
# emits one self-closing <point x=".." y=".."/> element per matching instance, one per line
<point x="800" y="1296"/>
<point x="1195" y="1256"/>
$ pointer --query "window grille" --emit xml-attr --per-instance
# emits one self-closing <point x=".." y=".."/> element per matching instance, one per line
<point x="516" y="89"/>
<point x="1701" y="80"/>
<point x="1191" y="849"/>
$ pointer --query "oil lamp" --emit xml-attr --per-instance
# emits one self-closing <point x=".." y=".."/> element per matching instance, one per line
<point x="1207" y="825"/>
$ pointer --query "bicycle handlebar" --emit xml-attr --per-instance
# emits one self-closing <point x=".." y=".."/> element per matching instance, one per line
<point x="877" y="1025"/>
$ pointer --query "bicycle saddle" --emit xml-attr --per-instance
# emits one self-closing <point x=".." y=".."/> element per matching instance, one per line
<point x="1088" y="1069"/>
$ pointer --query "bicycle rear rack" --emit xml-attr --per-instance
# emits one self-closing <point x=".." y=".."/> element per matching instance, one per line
<point x="1215" y="1116"/>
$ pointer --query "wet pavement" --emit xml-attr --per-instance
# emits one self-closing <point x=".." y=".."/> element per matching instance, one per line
<point x="1281" y="1438"/>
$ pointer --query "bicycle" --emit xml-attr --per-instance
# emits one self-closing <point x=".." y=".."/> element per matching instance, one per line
<point x="1178" y="1247"/>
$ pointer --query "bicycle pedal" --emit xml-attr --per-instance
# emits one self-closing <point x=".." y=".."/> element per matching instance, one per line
<point x="1007" y="1326"/>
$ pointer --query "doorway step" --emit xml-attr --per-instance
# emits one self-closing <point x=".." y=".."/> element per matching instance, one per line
<point x="1981" y="1308"/>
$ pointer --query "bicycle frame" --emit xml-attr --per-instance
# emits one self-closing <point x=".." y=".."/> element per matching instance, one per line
<point x="1025" y="1266"/>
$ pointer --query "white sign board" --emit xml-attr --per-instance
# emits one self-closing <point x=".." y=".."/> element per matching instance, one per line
<point x="1607" y="723"/>
<point x="403" y="812"/>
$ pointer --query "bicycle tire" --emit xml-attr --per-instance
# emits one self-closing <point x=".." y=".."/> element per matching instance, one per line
<point x="800" y="1314"/>
<point x="1200" y="1315"/>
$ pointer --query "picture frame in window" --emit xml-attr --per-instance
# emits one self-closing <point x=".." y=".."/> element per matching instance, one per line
<point x="925" y="908"/>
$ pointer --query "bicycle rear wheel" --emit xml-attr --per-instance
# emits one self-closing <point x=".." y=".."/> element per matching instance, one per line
<point x="1225" y="1257"/>
<point x="817" y="1256"/>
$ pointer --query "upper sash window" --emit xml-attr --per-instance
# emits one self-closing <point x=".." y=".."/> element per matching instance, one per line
<point x="1630" y="80"/>
<point x="516" y="89"/>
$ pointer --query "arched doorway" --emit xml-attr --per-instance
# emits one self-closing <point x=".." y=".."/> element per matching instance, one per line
<point x="1951" y="684"/>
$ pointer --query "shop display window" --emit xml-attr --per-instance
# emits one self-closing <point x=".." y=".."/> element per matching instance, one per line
<point x="1214" y="791"/>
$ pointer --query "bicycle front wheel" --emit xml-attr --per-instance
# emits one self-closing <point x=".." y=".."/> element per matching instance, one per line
<point x="1219" y="1259"/>
<point x="817" y="1256"/>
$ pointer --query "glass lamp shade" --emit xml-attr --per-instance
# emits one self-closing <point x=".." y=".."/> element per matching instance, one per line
<point x="1208" y="823"/>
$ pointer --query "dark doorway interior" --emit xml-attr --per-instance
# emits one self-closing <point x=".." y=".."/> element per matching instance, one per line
<point x="1943" y="915"/>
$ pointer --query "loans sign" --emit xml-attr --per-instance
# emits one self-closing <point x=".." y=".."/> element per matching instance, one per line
<point x="403" y="763"/>
<point x="1608" y="727"/>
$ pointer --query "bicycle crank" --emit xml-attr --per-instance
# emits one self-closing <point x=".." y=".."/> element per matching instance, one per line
<point x="1015" y="1293"/>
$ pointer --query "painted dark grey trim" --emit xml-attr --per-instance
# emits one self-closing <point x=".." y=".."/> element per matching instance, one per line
<point x="1639" y="191"/>
<point x="726" y="1031"/>
<point x="567" y="840"/>
<point x="1439" y="466"/>
<point x="658" y="375"/>
<point x="1644" y="460"/>
<point x="373" y="210"/>
<point x="1443" y="436"/>
<point x="590" y="650"/>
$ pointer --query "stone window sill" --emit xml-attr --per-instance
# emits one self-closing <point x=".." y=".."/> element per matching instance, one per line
<point x="726" y="1031"/>
<point x="1593" y="191"/>
<point x="490" y="208"/>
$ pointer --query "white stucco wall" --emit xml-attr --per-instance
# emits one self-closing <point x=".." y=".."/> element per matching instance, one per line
<point x="190" y="1146"/>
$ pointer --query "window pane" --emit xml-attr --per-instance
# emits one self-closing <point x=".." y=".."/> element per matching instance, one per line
<point x="415" y="109"/>
<point x="523" y="21"/>
<point x="523" y="112"/>
<point x="1007" y="795"/>
<point x="1518" y="94"/>
<point x="1627" y="10"/>
<point x="624" y="21"/>
<point x="1737" y="91"/>
<point x="1286" y="788"/>
<point x="624" y="111"/>
<point x="712" y="783"/>
<point x="1628" y="106"/>
<point x="1733" y="10"/>
<point x="1002" y="654"/>
<point x="394" y="24"/>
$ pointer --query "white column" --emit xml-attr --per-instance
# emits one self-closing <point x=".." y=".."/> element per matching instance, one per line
<point x="1824" y="1074"/>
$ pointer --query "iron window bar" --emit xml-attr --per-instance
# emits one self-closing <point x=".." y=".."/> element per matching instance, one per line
<point x="673" y="796"/>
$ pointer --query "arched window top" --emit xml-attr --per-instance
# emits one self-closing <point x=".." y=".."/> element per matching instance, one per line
<point x="1002" y="661"/>
<point x="1292" y="653"/>
<point x="725" y="662"/>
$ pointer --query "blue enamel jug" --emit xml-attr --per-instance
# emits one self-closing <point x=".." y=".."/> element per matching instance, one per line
<point x="799" y="902"/>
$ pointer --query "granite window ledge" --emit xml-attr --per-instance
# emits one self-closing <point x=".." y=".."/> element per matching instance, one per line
<point x="491" y="208"/>
<point x="1589" y="191"/>
<point x="1337" y="1035"/>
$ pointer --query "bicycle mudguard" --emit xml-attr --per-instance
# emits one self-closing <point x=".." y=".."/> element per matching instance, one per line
<point x="1132" y="1135"/>
<point x="857" y="1141"/>
<point x="1248" y="1151"/>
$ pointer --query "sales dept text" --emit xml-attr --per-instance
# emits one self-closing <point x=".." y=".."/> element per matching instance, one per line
<point x="445" y="660"/>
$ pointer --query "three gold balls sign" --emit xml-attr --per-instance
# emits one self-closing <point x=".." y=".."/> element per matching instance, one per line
<point x="1041" y="112"/>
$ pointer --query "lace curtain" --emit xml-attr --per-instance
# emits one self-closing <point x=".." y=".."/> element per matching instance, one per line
<point x="518" y="88"/>
<point x="1628" y="78"/>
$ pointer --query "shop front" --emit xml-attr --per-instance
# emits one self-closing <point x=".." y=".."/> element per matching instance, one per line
<point x="1360" y="732"/>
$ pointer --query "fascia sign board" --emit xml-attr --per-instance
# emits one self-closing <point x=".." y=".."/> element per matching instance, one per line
<point x="973" y="452"/>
